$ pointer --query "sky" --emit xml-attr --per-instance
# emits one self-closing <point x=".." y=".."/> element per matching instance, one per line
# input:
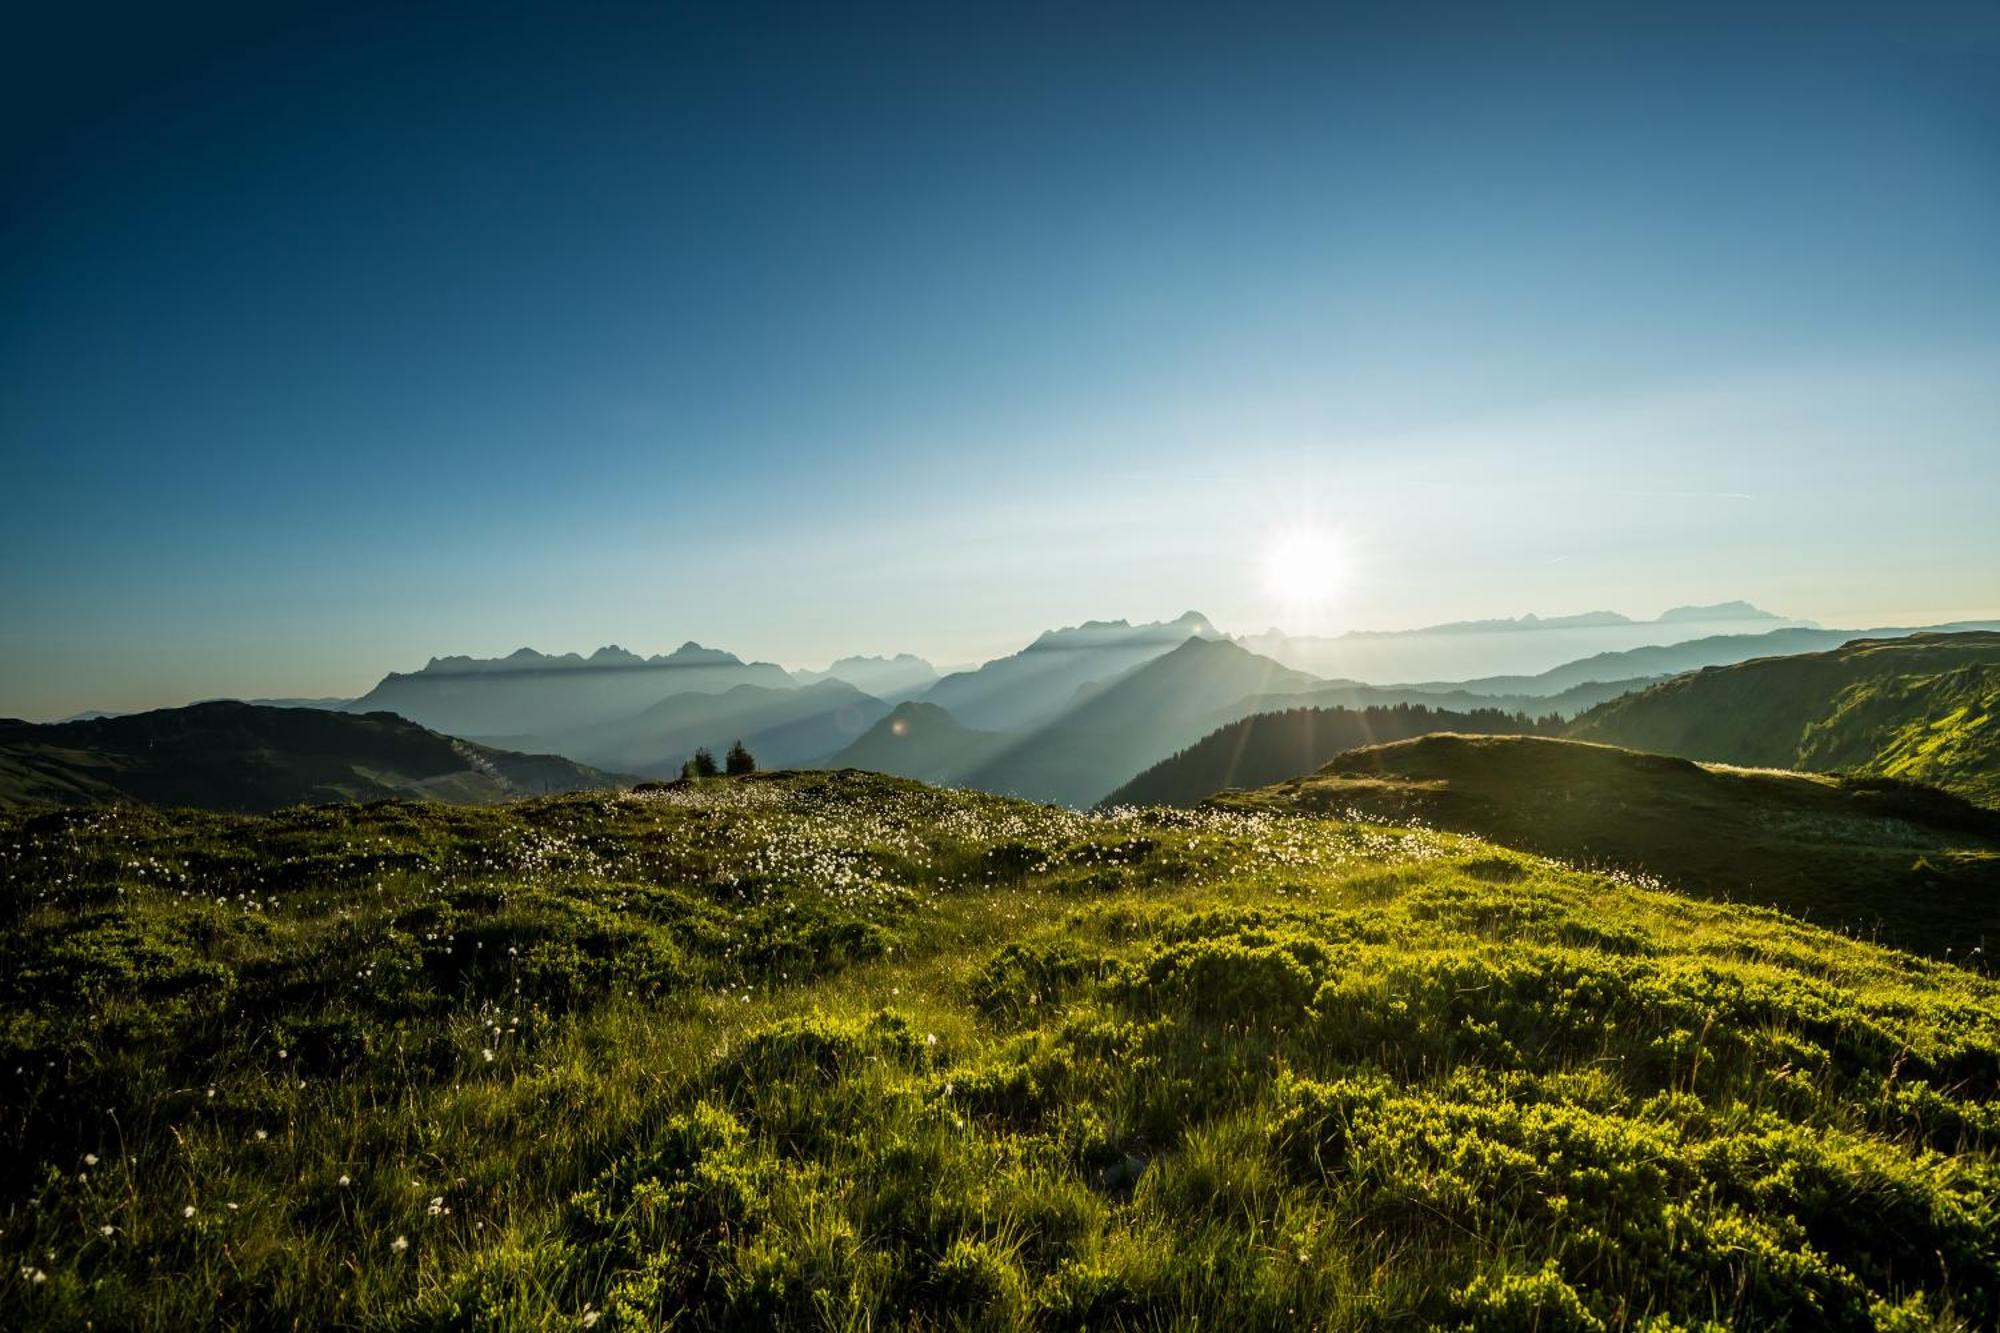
<point x="335" y="337"/>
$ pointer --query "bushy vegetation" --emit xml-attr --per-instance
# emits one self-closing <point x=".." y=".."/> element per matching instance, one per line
<point x="841" y="1051"/>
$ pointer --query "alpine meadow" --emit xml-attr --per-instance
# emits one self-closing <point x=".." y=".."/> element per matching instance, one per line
<point x="930" y="922"/>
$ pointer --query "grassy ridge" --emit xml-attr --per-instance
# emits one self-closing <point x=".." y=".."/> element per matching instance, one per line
<point x="1924" y="708"/>
<point x="1916" y="867"/>
<point x="840" y="1051"/>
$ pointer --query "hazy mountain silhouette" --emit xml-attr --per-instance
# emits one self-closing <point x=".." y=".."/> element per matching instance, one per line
<point x="1114" y="730"/>
<point x="1692" y="655"/>
<point x="1917" y="865"/>
<point x="1924" y="707"/>
<point x="530" y="694"/>
<point x="887" y="678"/>
<point x="1524" y="645"/>
<point x="1709" y="615"/>
<point x="784" y="727"/>
<point x="1271" y="747"/>
<point x="921" y="741"/>
<point x="1039" y="682"/>
<point x="329" y="703"/>
<point x="246" y="757"/>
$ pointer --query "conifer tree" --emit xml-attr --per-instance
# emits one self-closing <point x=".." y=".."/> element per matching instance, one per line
<point x="739" y="761"/>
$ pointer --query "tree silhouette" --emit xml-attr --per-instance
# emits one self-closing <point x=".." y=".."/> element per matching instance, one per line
<point x="739" y="761"/>
<point x="701" y="766"/>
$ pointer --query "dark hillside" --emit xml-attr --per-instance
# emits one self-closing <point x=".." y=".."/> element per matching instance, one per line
<point x="1271" y="747"/>
<point x="246" y="757"/>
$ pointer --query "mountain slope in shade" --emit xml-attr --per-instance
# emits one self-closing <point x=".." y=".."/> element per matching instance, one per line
<point x="1924" y="708"/>
<point x="1040" y="681"/>
<point x="781" y="727"/>
<point x="1116" y="729"/>
<point x="1916" y="866"/>
<point x="921" y="741"/>
<point x="243" y="757"/>
<point x="532" y="695"/>
<point x="1271" y="747"/>
<point x="887" y="678"/>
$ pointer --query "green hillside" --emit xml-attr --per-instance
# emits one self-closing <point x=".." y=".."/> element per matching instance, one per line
<point x="225" y="755"/>
<point x="833" y="1050"/>
<point x="1926" y="708"/>
<point x="1909" y="864"/>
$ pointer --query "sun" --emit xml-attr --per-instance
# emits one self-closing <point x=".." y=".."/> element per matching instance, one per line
<point x="1304" y="567"/>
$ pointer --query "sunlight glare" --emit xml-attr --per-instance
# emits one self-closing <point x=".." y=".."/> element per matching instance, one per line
<point x="1304" y="567"/>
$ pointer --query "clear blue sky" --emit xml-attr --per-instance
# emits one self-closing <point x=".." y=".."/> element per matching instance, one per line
<point x="333" y="336"/>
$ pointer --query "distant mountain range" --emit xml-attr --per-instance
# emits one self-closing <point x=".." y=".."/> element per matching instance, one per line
<point x="1109" y="730"/>
<point x="1075" y="715"/>
<point x="1925" y="707"/>
<point x="1692" y="655"/>
<point x="1036" y="684"/>
<point x="1917" y="866"/>
<point x="552" y="699"/>
<point x="247" y="757"/>
<point x="1524" y="645"/>
<point x="1721" y="612"/>
<point x="887" y="678"/>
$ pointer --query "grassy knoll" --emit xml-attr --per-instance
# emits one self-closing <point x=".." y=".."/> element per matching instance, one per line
<point x="832" y="1050"/>
<point x="1913" y="866"/>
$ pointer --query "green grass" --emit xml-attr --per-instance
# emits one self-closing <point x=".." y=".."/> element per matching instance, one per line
<point x="1943" y="729"/>
<point x="840" y="1051"/>
<point x="1885" y="859"/>
<point x="1920" y="709"/>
